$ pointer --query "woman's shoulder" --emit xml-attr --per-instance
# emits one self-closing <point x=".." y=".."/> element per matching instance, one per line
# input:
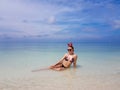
<point x="75" y="55"/>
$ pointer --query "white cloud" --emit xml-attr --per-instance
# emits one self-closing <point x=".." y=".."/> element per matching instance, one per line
<point x="16" y="13"/>
<point x="39" y="18"/>
<point x="89" y="29"/>
<point x="30" y="18"/>
<point x="51" y="19"/>
<point x="116" y="24"/>
<point x="89" y="36"/>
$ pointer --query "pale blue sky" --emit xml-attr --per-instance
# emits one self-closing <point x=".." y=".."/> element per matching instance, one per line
<point x="82" y="20"/>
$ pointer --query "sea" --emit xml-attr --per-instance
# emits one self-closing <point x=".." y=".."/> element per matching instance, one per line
<point x="98" y="66"/>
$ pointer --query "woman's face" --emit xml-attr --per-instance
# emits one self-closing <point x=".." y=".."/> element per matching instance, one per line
<point x="70" y="50"/>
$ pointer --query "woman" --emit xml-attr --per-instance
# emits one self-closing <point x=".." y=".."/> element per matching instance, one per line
<point x="67" y="59"/>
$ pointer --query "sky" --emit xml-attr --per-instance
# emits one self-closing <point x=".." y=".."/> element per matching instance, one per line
<point x="80" y="20"/>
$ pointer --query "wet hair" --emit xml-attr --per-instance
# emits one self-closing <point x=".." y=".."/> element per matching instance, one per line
<point x="70" y="45"/>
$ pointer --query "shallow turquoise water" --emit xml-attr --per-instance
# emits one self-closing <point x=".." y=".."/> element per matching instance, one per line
<point x="96" y="63"/>
<point x="91" y="56"/>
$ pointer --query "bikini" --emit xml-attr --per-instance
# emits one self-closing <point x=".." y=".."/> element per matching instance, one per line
<point x="63" y="66"/>
<point x="72" y="60"/>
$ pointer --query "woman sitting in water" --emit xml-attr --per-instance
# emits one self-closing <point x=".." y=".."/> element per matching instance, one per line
<point x="67" y="59"/>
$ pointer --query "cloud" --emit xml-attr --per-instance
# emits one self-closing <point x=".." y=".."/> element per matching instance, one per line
<point x="58" y="18"/>
<point x="31" y="19"/>
<point x="1" y="18"/>
<point x="89" y="36"/>
<point x="51" y="20"/>
<point x="89" y="29"/>
<point x="116" y="24"/>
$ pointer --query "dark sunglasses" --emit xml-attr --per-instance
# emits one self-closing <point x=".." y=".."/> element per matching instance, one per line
<point x="69" y="49"/>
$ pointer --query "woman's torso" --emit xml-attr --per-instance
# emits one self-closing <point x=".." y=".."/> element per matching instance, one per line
<point x="68" y="60"/>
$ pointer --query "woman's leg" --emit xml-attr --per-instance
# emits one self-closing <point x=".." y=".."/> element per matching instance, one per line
<point x="56" y="65"/>
<point x="58" y="68"/>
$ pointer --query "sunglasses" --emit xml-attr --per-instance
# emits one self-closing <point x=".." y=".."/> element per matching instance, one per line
<point x="69" y="49"/>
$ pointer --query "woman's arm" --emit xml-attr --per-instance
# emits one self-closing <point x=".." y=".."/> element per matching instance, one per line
<point x="75" y="61"/>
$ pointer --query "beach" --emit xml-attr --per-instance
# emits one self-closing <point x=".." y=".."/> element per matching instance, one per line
<point x="98" y="67"/>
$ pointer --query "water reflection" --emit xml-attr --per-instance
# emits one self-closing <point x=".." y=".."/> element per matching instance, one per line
<point x="70" y="77"/>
